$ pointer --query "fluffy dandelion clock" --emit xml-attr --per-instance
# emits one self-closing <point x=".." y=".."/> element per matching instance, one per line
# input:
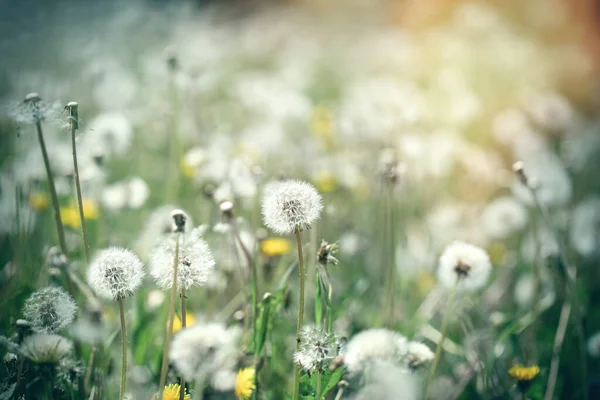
<point x="49" y="310"/>
<point x="317" y="347"/>
<point x="115" y="273"/>
<point x="204" y="351"/>
<point x="195" y="261"/>
<point x="291" y="205"/>
<point x="373" y="346"/>
<point x="46" y="348"/>
<point x="465" y="265"/>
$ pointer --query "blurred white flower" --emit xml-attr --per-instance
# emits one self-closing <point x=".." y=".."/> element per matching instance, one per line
<point x="417" y="354"/>
<point x="49" y="310"/>
<point x="550" y="111"/>
<point x="464" y="265"/>
<point x="503" y="217"/>
<point x="290" y="205"/>
<point x="540" y="243"/>
<point x="204" y="350"/>
<point x="524" y="291"/>
<point x="46" y="348"/>
<point x="195" y="265"/>
<point x="585" y="227"/>
<point x="131" y="193"/>
<point x="115" y="273"/>
<point x="593" y="345"/>
<point x="373" y="346"/>
<point x="107" y="134"/>
<point x="547" y="173"/>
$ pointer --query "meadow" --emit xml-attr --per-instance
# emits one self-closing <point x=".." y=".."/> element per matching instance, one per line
<point x="300" y="201"/>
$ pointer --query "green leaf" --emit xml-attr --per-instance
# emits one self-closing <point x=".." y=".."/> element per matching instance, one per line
<point x="318" y="303"/>
<point x="262" y="324"/>
<point x="333" y="380"/>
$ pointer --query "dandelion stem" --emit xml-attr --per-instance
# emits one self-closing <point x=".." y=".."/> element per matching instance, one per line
<point x="559" y="338"/>
<point x="73" y="124"/>
<point x="90" y="368"/>
<point x="183" y="325"/>
<point x="171" y="316"/>
<point x="300" y="311"/>
<point x="124" y="350"/>
<point x="52" y="187"/>
<point x="318" y="394"/>
<point x="438" y="350"/>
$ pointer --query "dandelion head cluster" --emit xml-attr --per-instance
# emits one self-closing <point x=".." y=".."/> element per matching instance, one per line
<point x="317" y="348"/>
<point x="115" y="273"/>
<point x="195" y="266"/>
<point x="291" y="205"/>
<point x="464" y="265"/>
<point x="46" y="348"/>
<point x="373" y="346"/>
<point x="205" y="351"/>
<point x="33" y="109"/>
<point x="49" y="310"/>
<point x="417" y="355"/>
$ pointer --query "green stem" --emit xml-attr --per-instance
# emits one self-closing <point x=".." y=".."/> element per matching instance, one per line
<point x="318" y="394"/>
<point x="183" y="325"/>
<point x="124" y="350"/>
<point x="171" y="316"/>
<point x="438" y="350"/>
<point x="86" y="244"/>
<point x="52" y="187"/>
<point x="295" y="393"/>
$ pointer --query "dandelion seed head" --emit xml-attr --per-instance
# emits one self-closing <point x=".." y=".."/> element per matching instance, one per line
<point x="291" y="205"/>
<point x="196" y="262"/>
<point x="46" y="348"/>
<point x="503" y="217"/>
<point x="34" y="109"/>
<point x="317" y="347"/>
<point x="115" y="273"/>
<point x="373" y="346"/>
<point x="68" y="373"/>
<point x="463" y="262"/>
<point x="49" y="310"/>
<point x="200" y="351"/>
<point x="417" y="354"/>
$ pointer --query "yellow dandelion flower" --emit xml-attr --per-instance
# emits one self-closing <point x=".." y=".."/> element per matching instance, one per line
<point x="70" y="217"/>
<point x="325" y="181"/>
<point x="187" y="169"/>
<point x="90" y="209"/>
<point x="425" y="283"/>
<point x="522" y="373"/>
<point x="497" y="252"/>
<point x="171" y="392"/>
<point x="244" y="383"/>
<point x="321" y="124"/>
<point x="39" y="201"/>
<point x="189" y="321"/>
<point x="274" y="247"/>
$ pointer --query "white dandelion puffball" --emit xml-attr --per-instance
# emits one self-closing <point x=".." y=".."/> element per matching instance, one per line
<point x="202" y="350"/>
<point x="503" y="217"/>
<point x="317" y="347"/>
<point x="417" y="354"/>
<point x="46" y="348"/>
<point x="463" y="262"/>
<point x="195" y="265"/>
<point x="290" y="205"/>
<point x="49" y="310"/>
<point x="593" y="345"/>
<point x="373" y="346"/>
<point x="115" y="273"/>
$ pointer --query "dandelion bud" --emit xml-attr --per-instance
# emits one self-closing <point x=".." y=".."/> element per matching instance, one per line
<point x="267" y="296"/>
<point x="226" y="208"/>
<point x="32" y="98"/>
<point x="325" y="253"/>
<point x="179" y="219"/>
<point x="56" y="258"/>
<point x="519" y="169"/>
<point x="49" y="310"/>
<point x="115" y="273"/>
<point x="239" y="315"/>
<point x="465" y="265"/>
<point x="73" y="109"/>
<point x="208" y="191"/>
<point x="23" y="328"/>
<point x="291" y="205"/>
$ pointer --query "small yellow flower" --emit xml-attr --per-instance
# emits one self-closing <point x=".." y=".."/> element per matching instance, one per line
<point x="325" y="181"/>
<point x="70" y="214"/>
<point x="522" y="373"/>
<point x="38" y="200"/>
<point x="187" y="169"/>
<point x="274" y="247"/>
<point x="497" y="252"/>
<point x="171" y="392"/>
<point x="189" y="320"/>
<point x="244" y="383"/>
<point x="321" y="124"/>
<point x="425" y="283"/>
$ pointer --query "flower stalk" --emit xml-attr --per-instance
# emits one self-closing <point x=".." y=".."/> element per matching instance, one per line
<point x="124" y="351"/>
<point x="300" y="310"/>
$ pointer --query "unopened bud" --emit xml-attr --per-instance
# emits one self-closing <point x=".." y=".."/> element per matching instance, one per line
<point x="179" y="219"/>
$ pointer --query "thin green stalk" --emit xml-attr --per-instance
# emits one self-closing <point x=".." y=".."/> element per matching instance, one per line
<point x="183" y="325"/>
<point x="318" y="394"/>
<point x="173" y="161"/>
<point x="393" y="273"/>
<point x="295" y="393"/>
<point x="90" y="369"/>
<point x="52" y="187"/>
<point x="438" y="350"/>
<point x="73" y="125"/>
<point x="171" y="316"/>
<point x="124" y="350"/>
